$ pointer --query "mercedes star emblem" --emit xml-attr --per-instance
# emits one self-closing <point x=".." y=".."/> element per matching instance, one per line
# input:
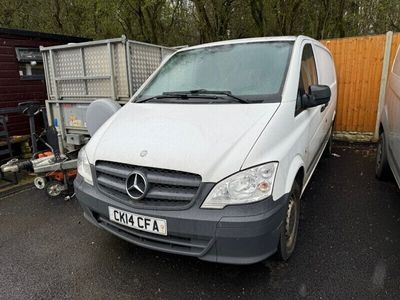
<point x="136" y="185"/>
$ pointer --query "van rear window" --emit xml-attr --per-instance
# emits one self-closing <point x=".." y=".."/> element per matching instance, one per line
<point x="254" y="71"/>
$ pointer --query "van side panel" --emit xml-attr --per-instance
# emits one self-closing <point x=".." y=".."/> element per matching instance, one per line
<point x="391" y="117"/>
<point x="285" y="140"/>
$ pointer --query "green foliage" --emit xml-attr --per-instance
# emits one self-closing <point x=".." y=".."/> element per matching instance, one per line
<point x="179" y="22"/>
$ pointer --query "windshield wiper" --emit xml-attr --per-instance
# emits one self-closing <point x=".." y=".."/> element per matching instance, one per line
<point x="153" y="98"/>
<point x="198" y="94"/>
<point x="186" y="95"/>
<point x="172" y="95"/>
<point x="226" y="93"/>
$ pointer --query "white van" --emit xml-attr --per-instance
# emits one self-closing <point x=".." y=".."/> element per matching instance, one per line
<point x="212" y="154"/>
<point x="388" y="153"/>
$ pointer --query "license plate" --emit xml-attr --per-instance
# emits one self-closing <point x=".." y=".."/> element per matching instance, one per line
<point x="139" y="222"/>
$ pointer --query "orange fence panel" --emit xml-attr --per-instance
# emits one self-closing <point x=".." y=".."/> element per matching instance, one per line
<point x="358" y="62"/>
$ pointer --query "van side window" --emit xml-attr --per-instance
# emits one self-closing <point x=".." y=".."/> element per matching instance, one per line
<point x="308" y="74"/>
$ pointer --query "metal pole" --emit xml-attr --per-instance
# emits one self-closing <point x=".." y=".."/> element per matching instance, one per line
<point x="49" y="113"/>
<point x="112" y="82"/>
<point x="33" y="131"/>
<point x="84" y="70"/>
<point x="53" y="68"/>
<point x="162" y="54"/>
<point x="384" y="77"/>
<point x="46" y="74"/>
<point x="129" y="64"/>
<point x="60" y="124"/>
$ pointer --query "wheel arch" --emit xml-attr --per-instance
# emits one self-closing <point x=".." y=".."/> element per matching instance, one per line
<point x="300" y="177"/>
<point x="296" y="173"/>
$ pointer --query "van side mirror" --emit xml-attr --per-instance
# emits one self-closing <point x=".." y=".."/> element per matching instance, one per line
<point x="317" y="95"/>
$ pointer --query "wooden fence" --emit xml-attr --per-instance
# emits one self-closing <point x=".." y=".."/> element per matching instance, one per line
<point x="361" y="65"/>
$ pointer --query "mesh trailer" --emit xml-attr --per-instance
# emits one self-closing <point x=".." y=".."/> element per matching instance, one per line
<point x="77" y="74"/>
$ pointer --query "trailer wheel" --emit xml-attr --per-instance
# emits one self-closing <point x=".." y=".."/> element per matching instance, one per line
<point x="40" y="182"/>
<point x="54" y="189"/>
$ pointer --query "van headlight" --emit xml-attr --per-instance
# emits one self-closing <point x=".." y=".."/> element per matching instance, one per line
<point x="247" y="186"/>
<point x="84" y="167"/>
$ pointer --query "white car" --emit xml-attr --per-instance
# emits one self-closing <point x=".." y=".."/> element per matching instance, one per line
<point x="212" y="154"/>
<point x="388" y="153"/>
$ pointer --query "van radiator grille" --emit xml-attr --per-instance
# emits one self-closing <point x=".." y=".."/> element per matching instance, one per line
<point x="166" y="187"/>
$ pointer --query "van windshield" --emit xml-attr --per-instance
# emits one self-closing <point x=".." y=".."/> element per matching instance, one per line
<point x="250" y="72"/>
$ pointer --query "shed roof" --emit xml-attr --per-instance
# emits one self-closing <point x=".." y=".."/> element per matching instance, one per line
<point x="43" y="35"/>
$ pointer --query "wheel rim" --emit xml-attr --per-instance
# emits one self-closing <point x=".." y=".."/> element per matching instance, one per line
<point x="54" y="190"/>
<point x="291" y="223"/>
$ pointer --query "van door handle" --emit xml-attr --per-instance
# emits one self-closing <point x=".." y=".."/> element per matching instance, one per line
<point x="323" y="107"/>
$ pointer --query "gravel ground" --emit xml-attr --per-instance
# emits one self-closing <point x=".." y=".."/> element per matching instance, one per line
<point x="348" y="248"/>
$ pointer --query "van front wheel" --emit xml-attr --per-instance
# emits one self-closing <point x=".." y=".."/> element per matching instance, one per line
<point x="290" y="226"/>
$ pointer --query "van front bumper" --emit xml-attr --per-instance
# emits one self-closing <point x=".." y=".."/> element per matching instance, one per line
<point x="242" y="234"/>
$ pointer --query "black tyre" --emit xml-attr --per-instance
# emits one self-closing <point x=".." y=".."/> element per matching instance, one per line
<point x="290" y="226"/>
<point x="382" y="169"/>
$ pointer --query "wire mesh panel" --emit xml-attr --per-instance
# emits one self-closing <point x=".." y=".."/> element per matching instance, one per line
<point x="80" y="73"/>
<point x="50" y="73"/>
<point x="145" y="59"/>
<point x="68" y="63"/>
<point x="101" y="68"/>
<point x="96" y="60"/>
<point x="99" y="88"/>
<point x="70" y="87"/>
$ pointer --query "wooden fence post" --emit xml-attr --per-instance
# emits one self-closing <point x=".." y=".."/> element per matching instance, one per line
<point x="384" y="77"/>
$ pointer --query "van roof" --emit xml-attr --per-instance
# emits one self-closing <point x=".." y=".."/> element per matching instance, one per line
<point x="249" y="40"/>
